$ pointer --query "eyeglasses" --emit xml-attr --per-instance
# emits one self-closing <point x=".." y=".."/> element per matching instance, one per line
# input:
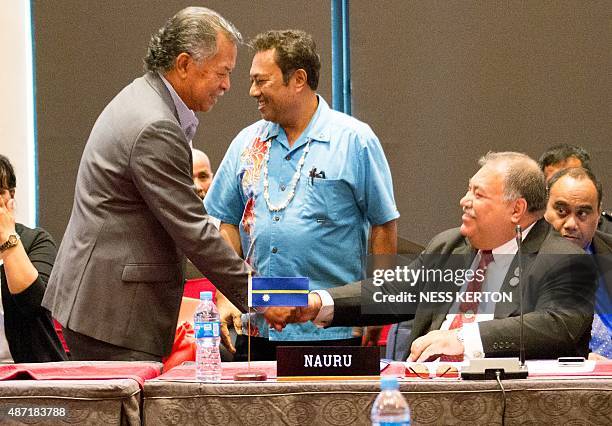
<point x="433" y="370"/>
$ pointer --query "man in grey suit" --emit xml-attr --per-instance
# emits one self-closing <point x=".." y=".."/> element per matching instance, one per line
<point x="558" y="279"/>
<point x="118" y="281"/>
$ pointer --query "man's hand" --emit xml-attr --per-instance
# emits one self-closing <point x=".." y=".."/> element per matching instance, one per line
<point x="279" y="317"/>
<point x="229" y="315"/>
<point x="596" y="357"/>
<point x="371" y="335"/>
<point x="434" y="344"/>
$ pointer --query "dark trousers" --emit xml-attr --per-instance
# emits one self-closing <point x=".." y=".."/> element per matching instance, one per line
<point x="85" y="348"/>
<point x="263" y="349"/>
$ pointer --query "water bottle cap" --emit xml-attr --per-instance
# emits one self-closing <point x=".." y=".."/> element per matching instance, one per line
<point x="388" y="383"/>
<point x="206" y="295"/>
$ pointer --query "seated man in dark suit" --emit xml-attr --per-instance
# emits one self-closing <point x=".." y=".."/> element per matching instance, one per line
<point x="573" y="209"/>
<point x="558" y="279"/>
<point x="565" y="156"/>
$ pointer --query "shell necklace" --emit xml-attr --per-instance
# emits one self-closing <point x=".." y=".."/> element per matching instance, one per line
<point x="292" y="185"/>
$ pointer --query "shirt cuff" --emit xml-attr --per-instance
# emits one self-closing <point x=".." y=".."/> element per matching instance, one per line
<point x="472" y="343"/>
<point x="326" y="313"/>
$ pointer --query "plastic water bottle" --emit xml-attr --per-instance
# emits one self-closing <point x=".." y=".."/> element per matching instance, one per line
<point x="206" y="328"/>
<point x="390" y="408"/>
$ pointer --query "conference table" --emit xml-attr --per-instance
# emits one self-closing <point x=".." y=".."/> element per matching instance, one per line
<point x="123" y="393"/>
<point x="174" y="398"/>
<point x="74" y="393"/>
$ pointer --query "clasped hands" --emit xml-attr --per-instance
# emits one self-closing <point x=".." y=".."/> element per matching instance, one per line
<point x="425" y="348"/>
<point x="278" y="317"/>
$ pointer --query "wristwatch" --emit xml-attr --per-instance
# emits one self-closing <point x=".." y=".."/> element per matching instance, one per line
<point x="12" y="241"/>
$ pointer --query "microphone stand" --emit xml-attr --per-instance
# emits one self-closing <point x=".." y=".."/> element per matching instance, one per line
<point x="250" y="375"/>
<point x="519" y="243"/>
<point x="503" y="368"/>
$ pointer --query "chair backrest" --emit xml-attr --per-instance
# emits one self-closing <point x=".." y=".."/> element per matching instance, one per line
<point x="193" y="287"/>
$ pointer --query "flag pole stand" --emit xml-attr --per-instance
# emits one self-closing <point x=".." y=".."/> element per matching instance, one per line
<point x="250" y="375"/>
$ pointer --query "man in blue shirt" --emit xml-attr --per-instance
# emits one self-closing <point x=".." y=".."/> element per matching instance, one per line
<point x="299" y="192"/>
<point x="574" y="207"/>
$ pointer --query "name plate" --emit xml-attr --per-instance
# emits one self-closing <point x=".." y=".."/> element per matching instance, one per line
<point x="295" y="361"/>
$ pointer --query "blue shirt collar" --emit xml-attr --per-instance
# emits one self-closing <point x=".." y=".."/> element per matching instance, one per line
<point x="317" y="129"/>
<point x="187" y="118"/>
<point x="589" y="248"/>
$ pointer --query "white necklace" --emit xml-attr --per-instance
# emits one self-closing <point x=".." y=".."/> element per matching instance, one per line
<point x="292" y="185"/>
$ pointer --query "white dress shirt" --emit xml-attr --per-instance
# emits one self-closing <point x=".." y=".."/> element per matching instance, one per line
<point x="494" y="279"/>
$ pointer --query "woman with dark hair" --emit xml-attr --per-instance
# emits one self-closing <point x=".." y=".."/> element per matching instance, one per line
<point x="26" y="259"/>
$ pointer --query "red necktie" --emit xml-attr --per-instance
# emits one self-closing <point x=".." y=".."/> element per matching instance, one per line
<point x="467" y="310"/>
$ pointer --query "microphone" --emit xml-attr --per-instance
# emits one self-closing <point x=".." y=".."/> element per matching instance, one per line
<point x="503" y="368"/>
<point x="519" y="243"/>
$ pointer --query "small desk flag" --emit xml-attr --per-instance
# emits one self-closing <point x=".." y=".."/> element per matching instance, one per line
<point x="278" y="291"/>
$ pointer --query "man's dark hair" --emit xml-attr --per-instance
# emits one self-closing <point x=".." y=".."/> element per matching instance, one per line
<point x="294" y="49"/>
<point x="559" y="153"/>
<point x="578" y="173"/>
<point x="192" y="30"/>
<point x="8" y="180"/>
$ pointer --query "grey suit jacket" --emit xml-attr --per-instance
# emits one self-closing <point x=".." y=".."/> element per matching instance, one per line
<point x="559" y="283"/>
<point x="118" y="275"/>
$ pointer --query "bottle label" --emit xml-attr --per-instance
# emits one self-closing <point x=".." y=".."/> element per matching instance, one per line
<point x="206" y="329"/>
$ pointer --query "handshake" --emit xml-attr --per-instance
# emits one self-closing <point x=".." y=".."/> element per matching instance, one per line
<point x="278" y="317"/>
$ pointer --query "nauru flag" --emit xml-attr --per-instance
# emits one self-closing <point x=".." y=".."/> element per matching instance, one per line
<point x="278" y="291"/>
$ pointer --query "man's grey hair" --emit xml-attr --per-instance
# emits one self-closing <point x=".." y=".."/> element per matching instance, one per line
<point x="192" y="30"/>
<point x="523" y="178"/>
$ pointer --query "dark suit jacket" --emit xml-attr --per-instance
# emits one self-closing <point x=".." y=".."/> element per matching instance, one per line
<point x="559" y="283"/>
<point x="605" y="222"/>
<point x="118" y="276"/>
<point x="602" y="247"/>
<point x="28" y="326"/>
<point x="602" y="243"/>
